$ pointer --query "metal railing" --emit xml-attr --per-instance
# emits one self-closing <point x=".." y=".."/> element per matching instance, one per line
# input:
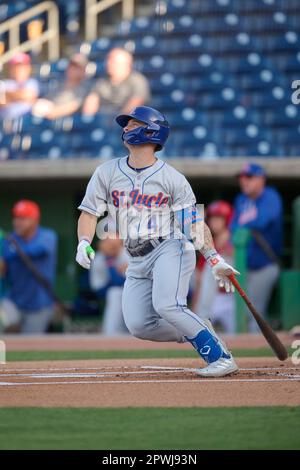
<point x="50" y="35"/>
<point x="93" y="9"/>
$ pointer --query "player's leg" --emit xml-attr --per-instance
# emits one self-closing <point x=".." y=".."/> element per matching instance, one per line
<point x="260" y="287"/>
<point x="171" y="275"/>
<point x="208" y="292"/>
<point x="113" y="322"/>
<point x="36" y="322"/>
<point x="140" y="317"/>
<point x="224" y="312"/>
<point x="10" y="317"/>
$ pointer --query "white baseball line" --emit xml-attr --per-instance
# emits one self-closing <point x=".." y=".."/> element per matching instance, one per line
<point x="89" y="375"/>
<point x="252" y="369"/>
<point x="101" y="382"/>
<point x="59" y="369"/>
<point x="147" y="371"/>
<point x="47" y="369"/>
<point x="245" y="369"/>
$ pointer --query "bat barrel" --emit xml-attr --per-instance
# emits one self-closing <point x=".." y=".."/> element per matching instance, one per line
<point x="272" y="339"/>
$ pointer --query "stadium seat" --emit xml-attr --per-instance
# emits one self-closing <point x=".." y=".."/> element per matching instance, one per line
<point x="221" y="70"/>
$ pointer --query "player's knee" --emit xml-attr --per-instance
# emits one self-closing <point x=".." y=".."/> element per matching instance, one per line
<point x="137" y="328"/>
<point x="164" y="309"/>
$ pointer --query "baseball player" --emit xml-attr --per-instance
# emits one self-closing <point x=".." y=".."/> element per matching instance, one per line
<point x="209" y="301"/>
<point x="259" y="209"/>
<point x="158" y="219"/>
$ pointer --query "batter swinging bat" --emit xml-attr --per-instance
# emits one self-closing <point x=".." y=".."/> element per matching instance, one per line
<point x="273" y="340"/>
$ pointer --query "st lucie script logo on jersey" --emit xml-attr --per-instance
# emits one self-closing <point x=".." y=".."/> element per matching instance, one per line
<point x="138" y="199"/>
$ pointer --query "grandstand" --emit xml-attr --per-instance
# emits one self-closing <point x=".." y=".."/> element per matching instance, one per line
<point x="220" y="69"/>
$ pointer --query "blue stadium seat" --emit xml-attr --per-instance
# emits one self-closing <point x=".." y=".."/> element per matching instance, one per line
<point x="289" y="63"/>
<point x="41" y="141"/>
<point x="156" y="64"/>
<point x="288" y="136"/>
<point x="100" y="46"/>
<point x="186" y="118"/>
<point x="221" y="70"/>
<point x="30" y="123"/>
<point x="196" y="7"/>
<point x="148" y="44"/>
<point x="284" y="116"/>
<point x="170" y="101"/>
<point x="137" y="25"/>
<point x="236" y="118"/>
<point x="83" y="123"/>
<point x="253" y="62"/>
<point x="270" y="98"/>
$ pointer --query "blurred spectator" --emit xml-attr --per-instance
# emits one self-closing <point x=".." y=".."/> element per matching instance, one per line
<point x="107" y="277"/>
<point x="69" y="97"/>
<point x="19" y="92"/>
<point x="209" y="300"/>
<point x="121" y="90"/>
<point x="26" y="306"/>
<point x="259" y="208"/>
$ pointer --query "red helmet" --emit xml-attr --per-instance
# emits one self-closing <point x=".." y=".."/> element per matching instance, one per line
<point x="220" y="208"/>
<point x="26" y="208"/>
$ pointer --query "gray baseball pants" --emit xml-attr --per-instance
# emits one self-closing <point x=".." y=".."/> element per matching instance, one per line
<point x="155" y="293"/>
<point x="30" y="322"/>
<point x="260" y="284"/>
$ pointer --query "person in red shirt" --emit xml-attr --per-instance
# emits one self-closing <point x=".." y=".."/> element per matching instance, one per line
<point x="209" y="300"/>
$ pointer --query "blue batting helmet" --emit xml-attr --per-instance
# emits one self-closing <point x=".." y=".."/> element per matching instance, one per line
<point x="156" y="131"/>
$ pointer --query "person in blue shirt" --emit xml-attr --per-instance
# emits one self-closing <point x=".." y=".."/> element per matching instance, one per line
<point x="259" y="208"/>
<point x="27" y="306"/>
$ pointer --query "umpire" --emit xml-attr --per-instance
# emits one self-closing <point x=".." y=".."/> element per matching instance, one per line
<point x="27" y="306"/>
<point x="259" y="208"/>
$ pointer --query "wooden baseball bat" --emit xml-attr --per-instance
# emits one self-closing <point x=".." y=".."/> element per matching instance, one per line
<point x="273" y="340"/>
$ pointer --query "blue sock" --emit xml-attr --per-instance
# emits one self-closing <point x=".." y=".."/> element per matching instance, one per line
<point x="208" y="346"/>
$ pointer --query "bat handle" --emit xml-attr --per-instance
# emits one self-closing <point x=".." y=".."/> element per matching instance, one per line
<point x="236" y="284"/>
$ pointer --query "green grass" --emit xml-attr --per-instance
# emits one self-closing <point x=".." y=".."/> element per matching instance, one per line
<point x="128" y="354"/>
<point x="150" y="428"/>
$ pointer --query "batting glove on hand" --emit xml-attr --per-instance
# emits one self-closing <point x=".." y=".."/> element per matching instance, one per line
<point x="221" y="270"/>
<point x="85" y="254"/>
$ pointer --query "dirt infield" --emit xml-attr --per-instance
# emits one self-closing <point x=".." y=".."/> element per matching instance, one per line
<point x="146" y="382"/>
<point x="141" y="382"/>
<point x="94" y="342"/>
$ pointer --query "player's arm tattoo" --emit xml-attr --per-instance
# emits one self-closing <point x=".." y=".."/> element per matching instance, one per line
<point x="208" y="240"/>
<point x="203" y="240"/>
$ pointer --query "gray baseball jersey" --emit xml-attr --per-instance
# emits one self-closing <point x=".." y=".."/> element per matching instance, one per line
<point x="143" y="203"/>
<point x="156" y="286"/>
